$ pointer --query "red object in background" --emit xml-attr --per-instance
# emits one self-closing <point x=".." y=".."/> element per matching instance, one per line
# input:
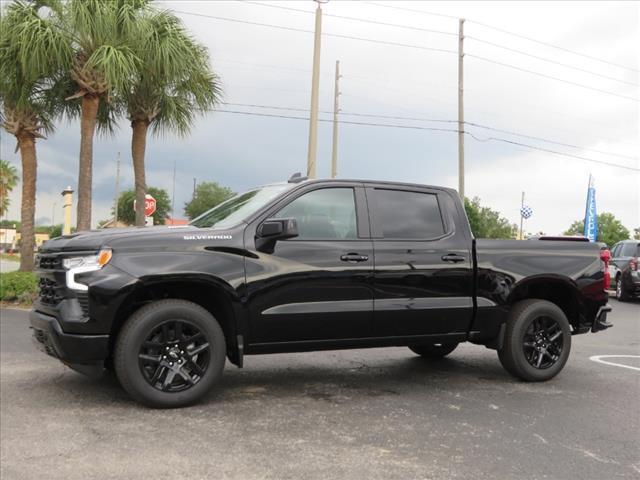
<point x="149" y="205"/>
<point x="176" y="221"/>
<point x="605" y="256"/>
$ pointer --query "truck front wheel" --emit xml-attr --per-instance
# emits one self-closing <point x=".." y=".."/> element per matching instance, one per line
<point x="537" y="341"/>
<point x="169" y="354"/>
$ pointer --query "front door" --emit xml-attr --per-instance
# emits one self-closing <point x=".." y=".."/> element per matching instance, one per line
<point x="423" y="265"/>
<point x="317" y="286"/>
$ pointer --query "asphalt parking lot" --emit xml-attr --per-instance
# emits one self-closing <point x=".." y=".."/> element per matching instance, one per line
<point x="361" y="414"/>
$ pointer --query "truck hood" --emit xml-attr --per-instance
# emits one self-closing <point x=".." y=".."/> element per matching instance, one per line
<point x="95" y="239"/>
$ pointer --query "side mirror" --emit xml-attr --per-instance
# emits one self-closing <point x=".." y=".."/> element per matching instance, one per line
<point x="274" y="229"/>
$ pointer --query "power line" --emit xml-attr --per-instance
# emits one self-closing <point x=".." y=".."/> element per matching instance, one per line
<point x="397" y="44"/>
<point x="554" y="46"/>
<point x="354" y="19"/>
<point x="437" y="129"/>
<point x="532" y="137"/>
<point x="508" y="65"/>
<point x="542" y="149"/>
<point x="507" y="32"/>
<point x="422" y="119"/>
<point x="469" y="37"/>
<point x="302" y="30"/>
<point x="420" y="29"/>
<point x="412" y="10"/>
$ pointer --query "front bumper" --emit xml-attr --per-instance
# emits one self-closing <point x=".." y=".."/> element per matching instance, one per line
<point x="86" y="353"/>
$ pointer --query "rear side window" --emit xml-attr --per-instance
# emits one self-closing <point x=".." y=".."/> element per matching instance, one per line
<point x="630" y="250"/>
<point x="408" y="215"/>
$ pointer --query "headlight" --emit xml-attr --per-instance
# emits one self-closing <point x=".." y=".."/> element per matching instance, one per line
<point x="98" y="261"/>
<point x="88" y="263"/>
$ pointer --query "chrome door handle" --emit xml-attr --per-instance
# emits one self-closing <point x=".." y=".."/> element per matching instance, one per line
<point x="452" y="257"/>
<point x="354" y="258"/>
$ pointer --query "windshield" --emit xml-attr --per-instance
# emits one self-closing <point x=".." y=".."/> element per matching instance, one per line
<point x="238" y="208"/>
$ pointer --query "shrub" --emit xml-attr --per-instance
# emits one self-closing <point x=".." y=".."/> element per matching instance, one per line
<point x="21" y="286"/>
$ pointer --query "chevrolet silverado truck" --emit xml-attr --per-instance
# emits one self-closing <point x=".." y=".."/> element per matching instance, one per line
<point x="309" y="265"/>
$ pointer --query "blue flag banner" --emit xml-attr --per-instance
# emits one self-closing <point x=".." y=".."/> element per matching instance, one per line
<point x="591" y="215"/>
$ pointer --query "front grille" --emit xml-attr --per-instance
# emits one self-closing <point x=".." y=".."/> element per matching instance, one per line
<point x="49" y="292"/>
<point x="50" y="262"/>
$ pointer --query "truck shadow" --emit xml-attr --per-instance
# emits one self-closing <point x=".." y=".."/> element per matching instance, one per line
<point x="336" y="381"/>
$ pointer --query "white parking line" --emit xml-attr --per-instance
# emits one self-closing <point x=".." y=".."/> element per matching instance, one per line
<point x="599" y="359"/>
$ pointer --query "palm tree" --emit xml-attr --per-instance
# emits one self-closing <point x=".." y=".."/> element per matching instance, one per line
<point x="8" y="180"/>
<point x="101" y="35"/>
<point x="173" y="84"/>
<point x="30" y="49"/>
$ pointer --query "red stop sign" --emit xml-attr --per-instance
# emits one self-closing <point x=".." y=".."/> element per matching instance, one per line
<point x="149" y="205"/>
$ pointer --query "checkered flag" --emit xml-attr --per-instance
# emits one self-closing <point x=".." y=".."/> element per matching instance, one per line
<point x="526" y="212"/>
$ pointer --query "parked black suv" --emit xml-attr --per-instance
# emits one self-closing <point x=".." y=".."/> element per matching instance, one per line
<point x="309" y="265"/>
<point x="624" y="269"/>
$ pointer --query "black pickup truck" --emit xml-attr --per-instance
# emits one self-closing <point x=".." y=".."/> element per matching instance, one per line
<point x="309" y="265"/>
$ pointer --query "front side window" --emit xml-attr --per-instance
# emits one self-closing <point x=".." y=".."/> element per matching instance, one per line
<point x="408" y="215"/>
<point x="325" y="214"/>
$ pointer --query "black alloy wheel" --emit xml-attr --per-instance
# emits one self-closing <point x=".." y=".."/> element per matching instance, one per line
<point x="175" y="356"/>
<point x="169" y="353"/>
<point x="543" y="342"/>
<point x="537" y="340"/>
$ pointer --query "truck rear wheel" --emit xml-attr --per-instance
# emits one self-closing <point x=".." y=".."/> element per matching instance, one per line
<point x="169" y="354"/>
<point x="435" y="350"/>
<point x="537" y="341"/>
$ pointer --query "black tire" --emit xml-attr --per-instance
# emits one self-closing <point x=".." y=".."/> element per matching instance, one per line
<point x="621" y="295"/>
<point x="435" y="350"/>
<point x="522" y="353"/>
<point x="197" y="363"/>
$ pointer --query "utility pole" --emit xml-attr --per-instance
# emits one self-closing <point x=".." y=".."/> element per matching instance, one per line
<point x="461" y="110"/>
<point x="115" y="206"/>
<point x="194" y="188"/>
<point x="315" y="86"/>
<point x="336" y="109"/>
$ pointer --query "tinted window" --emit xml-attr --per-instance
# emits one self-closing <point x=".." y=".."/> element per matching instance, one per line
<point x="329" y="213"/>
<point x="629" y="250"/>
<point x="408" y="215"/>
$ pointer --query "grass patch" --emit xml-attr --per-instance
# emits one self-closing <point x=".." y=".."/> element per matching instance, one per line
<point x="20" y="287"/>
<point x="10" y="258"/>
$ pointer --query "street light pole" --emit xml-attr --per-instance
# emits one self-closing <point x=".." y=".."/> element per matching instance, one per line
<point x="315" y="86"/>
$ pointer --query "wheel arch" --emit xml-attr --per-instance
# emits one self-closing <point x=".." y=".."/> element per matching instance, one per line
<point x="559" y="290"/>
<point x="211" y="293"/>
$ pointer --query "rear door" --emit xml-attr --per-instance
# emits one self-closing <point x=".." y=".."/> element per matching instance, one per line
<point x="423" y="265"/>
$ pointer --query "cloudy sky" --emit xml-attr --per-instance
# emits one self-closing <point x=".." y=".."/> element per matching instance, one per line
<point x="271" y="67"/>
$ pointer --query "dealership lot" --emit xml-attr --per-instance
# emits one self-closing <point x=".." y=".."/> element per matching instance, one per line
<point x="374" y="414"/>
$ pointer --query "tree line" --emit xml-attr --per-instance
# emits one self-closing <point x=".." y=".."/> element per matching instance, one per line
<point x="99" y="62"/>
